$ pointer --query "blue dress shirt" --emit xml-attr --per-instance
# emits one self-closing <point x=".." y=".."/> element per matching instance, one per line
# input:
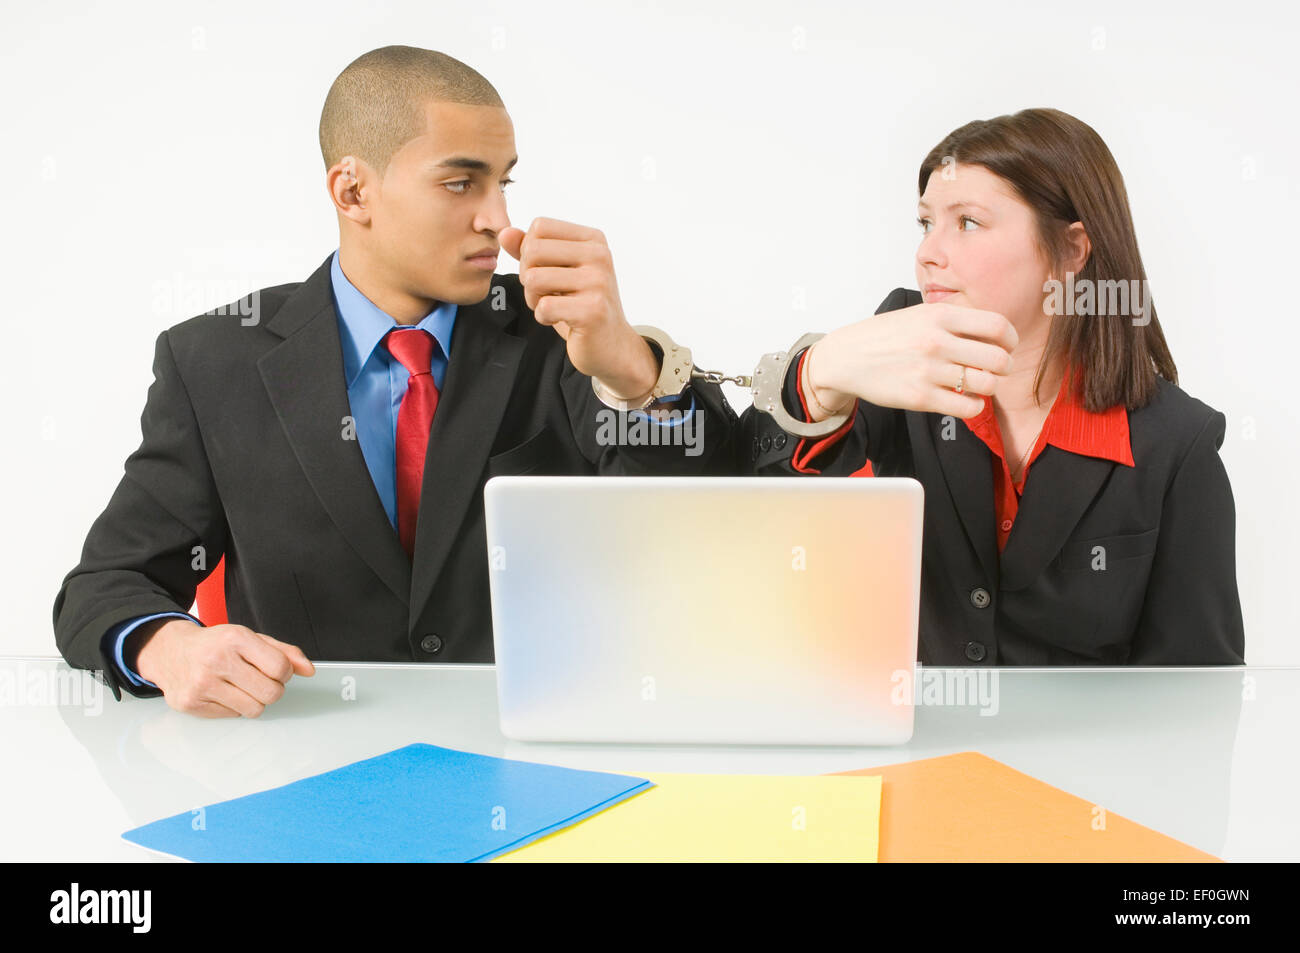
<point x="376" y="384"/>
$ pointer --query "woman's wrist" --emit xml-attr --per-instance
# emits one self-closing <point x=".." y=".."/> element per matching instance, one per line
<point x="822" y="401"/>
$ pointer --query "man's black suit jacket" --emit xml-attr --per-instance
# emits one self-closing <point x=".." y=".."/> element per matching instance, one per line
<point x="245" y="454"/>
<point x="1167" y="528"/>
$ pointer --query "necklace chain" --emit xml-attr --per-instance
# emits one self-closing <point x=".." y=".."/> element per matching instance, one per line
<point x="1033" y="443"/>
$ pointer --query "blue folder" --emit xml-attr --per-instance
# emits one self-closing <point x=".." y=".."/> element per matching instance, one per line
<point x="418" y="803"/>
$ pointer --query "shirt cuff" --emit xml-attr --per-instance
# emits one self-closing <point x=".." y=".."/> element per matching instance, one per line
<point x="673" y="417"/>
<point x="803" y="453"/>
<point x="116" y="636"/>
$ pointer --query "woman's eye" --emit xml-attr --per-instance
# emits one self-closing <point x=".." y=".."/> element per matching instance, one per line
<point x="924" y="223"/>
<point x="964" y="219"/>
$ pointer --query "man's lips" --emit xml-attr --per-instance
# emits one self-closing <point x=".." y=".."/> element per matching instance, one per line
<point x="486" y="259"/>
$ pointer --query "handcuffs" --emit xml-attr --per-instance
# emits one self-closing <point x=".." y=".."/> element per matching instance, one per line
<point x="766" y="383"/>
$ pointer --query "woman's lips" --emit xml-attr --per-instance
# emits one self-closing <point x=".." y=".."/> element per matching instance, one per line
<point x="937" y="294"/>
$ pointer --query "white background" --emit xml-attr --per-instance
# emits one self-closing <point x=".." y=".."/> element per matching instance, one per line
<point x="753" y="166"/>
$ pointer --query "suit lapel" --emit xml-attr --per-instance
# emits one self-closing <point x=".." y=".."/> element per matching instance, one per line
<point x="1058" y="489"/>
<point x="480" y="377"/>
<point x="303" y="375"/>
<point x="967" y="468"/>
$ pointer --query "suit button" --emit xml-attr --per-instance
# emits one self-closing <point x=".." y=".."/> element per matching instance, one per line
<point x="765" y="444"/>
<point x="753" y="453"/>
<point x="431" y="644"/>
<point x="778" y="441"/>
<point x="975" y="651"/>
<point x="979" y="598"/>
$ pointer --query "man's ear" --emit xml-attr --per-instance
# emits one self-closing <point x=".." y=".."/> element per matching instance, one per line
<point x="347" y="181"/>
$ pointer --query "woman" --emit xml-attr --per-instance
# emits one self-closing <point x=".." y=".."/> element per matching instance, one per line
<point x="1076" y="509"/>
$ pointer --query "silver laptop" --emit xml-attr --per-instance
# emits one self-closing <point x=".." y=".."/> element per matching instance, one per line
<point x="745" y="610"/>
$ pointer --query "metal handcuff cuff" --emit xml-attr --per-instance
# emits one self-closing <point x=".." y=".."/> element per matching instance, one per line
<point x="766" y="383"/>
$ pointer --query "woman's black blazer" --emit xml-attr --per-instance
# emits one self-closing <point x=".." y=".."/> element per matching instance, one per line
<point x="1167" y="594"/>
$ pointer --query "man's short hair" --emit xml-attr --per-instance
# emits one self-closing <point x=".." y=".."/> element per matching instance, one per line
<point x="376" y="104"/>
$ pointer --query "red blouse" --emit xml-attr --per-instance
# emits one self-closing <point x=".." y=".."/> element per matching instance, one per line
<point x="1068" y="426"/>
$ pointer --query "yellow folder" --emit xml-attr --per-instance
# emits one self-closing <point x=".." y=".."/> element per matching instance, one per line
<point x="726" y="817"/>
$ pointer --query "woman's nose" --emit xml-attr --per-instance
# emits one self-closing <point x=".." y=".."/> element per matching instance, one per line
<point x="931" y="251"/>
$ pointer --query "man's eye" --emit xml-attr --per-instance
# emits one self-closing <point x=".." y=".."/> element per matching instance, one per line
<point x="457" y="188"/>
<point x="505" y="182"/>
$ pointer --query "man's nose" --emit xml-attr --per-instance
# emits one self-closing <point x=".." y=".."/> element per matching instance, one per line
<point x="492" y="215"/>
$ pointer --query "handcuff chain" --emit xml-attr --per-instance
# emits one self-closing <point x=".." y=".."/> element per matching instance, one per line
<point x="717" y="377"/>
<point x="766" y="384"/>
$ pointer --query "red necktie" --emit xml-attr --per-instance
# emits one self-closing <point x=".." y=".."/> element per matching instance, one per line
<point x="413" y="348"/>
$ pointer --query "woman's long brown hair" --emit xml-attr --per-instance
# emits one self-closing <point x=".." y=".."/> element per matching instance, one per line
<point x="1063" y="170"/>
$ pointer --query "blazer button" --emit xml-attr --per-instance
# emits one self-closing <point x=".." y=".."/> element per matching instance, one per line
<point x="979" y="598"/>
<point x="778" y="441"/>
<point x="766" y="443"/>
<point x="753" y="453"/>
<point x="431" y="644"/>
<point x="975" y="651"/>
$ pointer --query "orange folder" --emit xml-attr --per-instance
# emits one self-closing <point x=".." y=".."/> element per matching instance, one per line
<point x="969" y="807"/>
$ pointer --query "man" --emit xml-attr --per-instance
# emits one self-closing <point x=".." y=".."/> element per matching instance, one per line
<point x="302" y="444"/>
